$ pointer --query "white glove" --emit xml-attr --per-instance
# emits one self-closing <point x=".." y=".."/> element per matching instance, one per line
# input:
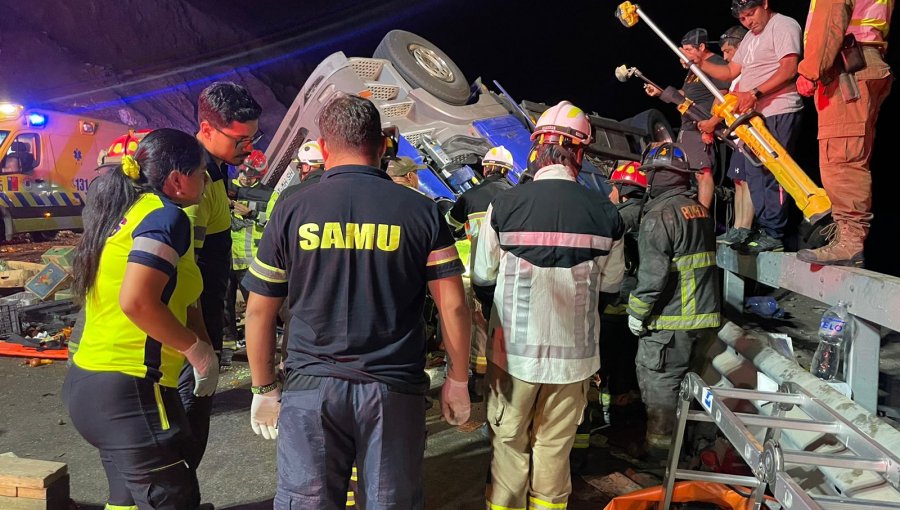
<point x="455" y="403"/>
<point x="636" y="326"/>
<point x="264" y="413"/>
<point x="203" y="359"/>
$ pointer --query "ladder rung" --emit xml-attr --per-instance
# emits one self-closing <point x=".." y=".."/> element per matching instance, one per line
<point x="835" y="461"/>
<point x="768" y="396"/>
<point x="706" y="476"/>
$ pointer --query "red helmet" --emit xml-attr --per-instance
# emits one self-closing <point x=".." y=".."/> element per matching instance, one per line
<point x="629" y="173"/>
<point x="255" y="163"/>
<point x="125" y="144"/>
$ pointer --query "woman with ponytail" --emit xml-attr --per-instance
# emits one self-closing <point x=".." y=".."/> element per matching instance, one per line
<point x="136" y="275"/>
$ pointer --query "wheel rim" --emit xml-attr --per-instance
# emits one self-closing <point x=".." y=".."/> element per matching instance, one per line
<point x="431" y="62"/>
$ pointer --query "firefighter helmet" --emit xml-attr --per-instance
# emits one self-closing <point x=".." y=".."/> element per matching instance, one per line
<point x="665" y="155"/>
<point x="310" y="153"/>
<point x="255" y="163"/>
<point x="125" y="144"/>
<point x="629" y="173"/>
<point x="498" y="156"/>
<point x="562" y="124"/>
<point x="739" y="6"/>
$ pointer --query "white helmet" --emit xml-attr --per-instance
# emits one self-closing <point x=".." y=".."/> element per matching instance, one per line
<point x="498" y="156"/>
<point x="311" y="154"/>
<point x="564" y="123"/>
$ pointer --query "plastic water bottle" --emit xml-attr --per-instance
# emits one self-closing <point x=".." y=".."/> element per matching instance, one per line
<point x="833" y="330"/>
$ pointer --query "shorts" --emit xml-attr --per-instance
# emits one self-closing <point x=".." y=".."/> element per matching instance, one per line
<point x="700" y="155"/>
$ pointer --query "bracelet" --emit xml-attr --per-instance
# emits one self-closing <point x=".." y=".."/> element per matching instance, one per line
<point x="259" y="390"/>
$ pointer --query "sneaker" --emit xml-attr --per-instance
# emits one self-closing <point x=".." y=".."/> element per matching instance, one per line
<point x="734" y="236"/>
<point x="759" y="243"/>
<point x="843" y="249"/>
<point x="225" y="359"/>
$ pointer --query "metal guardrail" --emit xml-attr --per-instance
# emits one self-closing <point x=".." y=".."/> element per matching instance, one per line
<point x="872" y="298"/>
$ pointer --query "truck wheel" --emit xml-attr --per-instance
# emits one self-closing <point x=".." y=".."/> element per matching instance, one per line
<point x="655" y="124"/>
<point x="424" y="65"/>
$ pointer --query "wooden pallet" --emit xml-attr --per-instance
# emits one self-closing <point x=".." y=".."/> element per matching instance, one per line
<point x="29" y="484"/>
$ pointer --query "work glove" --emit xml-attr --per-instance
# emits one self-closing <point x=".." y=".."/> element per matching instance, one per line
<point x="264" y="413"/>
<point x="636" y="326"/>
<point x="455" y="403"/>
<point x="203" y="359"/>
<point x="805" y="86"/>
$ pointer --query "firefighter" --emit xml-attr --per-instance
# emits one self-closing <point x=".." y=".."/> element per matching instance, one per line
<point x="846" y="127"/>
<point x="550" y="246"/>
<point x="229" y="126"/>
<point x="248" y="218"/>
<point x="467" y="212"/>
<point x="136" y="275"/>
<point x="674" y="309"/>
<point x="311" y="166"/>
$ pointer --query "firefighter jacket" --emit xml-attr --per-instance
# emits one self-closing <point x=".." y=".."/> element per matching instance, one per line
<point x="247" y="231"/>
<point x="678" y="283"/>
<point x="827" y="23"/>
<point x="550" y="246"/>
<point x="471" y="206"/>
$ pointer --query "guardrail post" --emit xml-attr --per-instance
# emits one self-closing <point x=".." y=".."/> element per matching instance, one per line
<point x="862" y="363"/>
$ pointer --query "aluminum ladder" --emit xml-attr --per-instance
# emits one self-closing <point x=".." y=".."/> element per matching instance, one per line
<point x="767" y="458"/>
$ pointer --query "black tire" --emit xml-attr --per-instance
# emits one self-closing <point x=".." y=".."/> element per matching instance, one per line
<point x="424" y="65"/>
<point x="43" y="236"/>
<point x="655" y="124"/>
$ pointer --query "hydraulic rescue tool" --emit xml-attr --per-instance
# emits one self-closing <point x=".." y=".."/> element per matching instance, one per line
<point x="685" y="107"/>
<point x="750" y="128"/>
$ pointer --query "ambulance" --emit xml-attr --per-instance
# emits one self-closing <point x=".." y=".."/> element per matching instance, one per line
<point x="47" y="161"/>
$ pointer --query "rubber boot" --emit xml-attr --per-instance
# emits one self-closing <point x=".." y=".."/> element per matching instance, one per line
<point x="845" y="249"/>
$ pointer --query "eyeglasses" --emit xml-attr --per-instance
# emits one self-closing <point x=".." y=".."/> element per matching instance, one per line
<point x="244" y="140"/>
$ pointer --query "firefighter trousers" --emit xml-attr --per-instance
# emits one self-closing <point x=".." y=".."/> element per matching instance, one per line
<point x="532" y="430"/>
<point x="663" y="359"/>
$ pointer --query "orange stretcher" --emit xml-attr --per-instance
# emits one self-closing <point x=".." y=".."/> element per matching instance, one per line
<point x="21" y="351"/>
<point x="705" y="492"/>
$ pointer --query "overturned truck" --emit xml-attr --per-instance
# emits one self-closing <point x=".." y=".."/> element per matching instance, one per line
<point x="444" y="122"/>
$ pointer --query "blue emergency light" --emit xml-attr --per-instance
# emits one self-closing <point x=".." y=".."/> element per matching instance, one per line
<point x="37" y="119"/>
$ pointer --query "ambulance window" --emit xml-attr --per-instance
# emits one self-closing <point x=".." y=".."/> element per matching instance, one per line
<point x="23" y="154"/>
<point x="3" y="135"/>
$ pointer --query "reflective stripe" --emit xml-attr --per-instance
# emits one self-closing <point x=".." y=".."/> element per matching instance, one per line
<point x="540" y="504"/>
<point x="492" y="506"/>
<point x="556" y="239"/>
<point x="163" y="418"/>
<point x="694" y="261"/>
<point x="120" y="507"/>
<point x="267" y="273"/>
<point x="638" y="306"/>
<point x="351" y="498"/>
<point x="678" y="322"/>
<point x="582" y="441"/>
<point x="199" y="234"/>
<point x="442" y="256"/>
<point x="157" y="248"/>
<point x="688" y="293"/>
<point x="452" y="221"/>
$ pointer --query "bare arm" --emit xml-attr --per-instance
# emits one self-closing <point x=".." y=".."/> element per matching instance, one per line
<point x="262" y="311"/>
<point x="141" y="301"/>
<point x="450" y="299"/>
<point x="195" y="322"/>
<point x="722" y="72"/>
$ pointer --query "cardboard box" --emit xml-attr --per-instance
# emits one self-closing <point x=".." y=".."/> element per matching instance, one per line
<point x="51" y="279"/>
<point x="17" y="273"/>
<point x="62" y="256"/>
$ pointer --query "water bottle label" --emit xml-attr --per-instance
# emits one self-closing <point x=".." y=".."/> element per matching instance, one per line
<point x="831" y="325"/>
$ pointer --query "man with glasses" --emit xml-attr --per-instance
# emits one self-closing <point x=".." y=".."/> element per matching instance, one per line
<point x="229" y="126"/>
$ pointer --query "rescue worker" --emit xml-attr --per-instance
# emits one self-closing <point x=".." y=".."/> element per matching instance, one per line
<point x="310" y="163"/>
<point x="846" y="128"/>
<point x="468" y="212"/>
<point x="140" y="325"/>
<point x="695" y="45"/>
<point x="766" y="61"/>
<point x="229" y="126"/>
<point x="402" y="170"/>
<point x="248" y="219"/>
<point x="546" y="245"/>
<point x="674" y="309"/>
<point x="358" y="252"/>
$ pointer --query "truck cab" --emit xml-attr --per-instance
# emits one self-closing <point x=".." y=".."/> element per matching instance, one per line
<point x="47" y="161"/>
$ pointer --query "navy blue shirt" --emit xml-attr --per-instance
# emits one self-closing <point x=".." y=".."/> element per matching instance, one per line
<point x="353" y="255"/>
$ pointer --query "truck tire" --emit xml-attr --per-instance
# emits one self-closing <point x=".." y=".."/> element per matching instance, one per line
<point x="424" y="65"/>
<point x="655" y="124"/>
<point x="43" y="236"/>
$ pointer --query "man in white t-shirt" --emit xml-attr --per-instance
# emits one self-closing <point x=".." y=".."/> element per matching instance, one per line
<point x="767" y="62"/>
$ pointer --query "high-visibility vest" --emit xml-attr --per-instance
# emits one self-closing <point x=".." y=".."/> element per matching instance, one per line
<point x="870" y="20"/>
<point x="244" y="242"/>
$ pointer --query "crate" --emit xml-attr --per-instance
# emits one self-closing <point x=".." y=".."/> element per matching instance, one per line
<point x="51" y="279"/>
<point x="10" y="307"/>
<point x="16" y="274"/>
<point x="62" y="256"/>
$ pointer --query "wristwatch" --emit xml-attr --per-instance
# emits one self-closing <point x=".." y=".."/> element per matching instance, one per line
<point x="259" y="390"/>
<point x="757" y="93"/>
